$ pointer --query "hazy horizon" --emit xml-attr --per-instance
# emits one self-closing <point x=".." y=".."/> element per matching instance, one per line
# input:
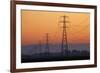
<point x="31" y="49"/>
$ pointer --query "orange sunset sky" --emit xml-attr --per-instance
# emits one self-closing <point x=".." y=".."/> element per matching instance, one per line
<point x="36" y="23"/>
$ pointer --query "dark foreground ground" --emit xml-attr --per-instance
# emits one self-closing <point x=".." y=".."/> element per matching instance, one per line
<point x="44" y="57"/>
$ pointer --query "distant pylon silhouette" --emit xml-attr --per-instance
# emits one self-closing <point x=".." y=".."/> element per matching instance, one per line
<point x="40" y="46"/>
<point x="64" y="44"/>
<point x="47" y="44"/>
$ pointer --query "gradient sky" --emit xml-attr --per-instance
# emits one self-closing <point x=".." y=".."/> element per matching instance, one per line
<point x="36" y="23"/>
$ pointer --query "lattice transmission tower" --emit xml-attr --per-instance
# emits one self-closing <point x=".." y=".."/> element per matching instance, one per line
<point x="64" y="43"/>
<point x="47" y="44"/>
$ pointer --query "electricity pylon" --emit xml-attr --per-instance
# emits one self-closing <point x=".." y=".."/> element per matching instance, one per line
<point x="40" y="46"/>
<point x="47" y="44"/>
<point x="64" y="44"/>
